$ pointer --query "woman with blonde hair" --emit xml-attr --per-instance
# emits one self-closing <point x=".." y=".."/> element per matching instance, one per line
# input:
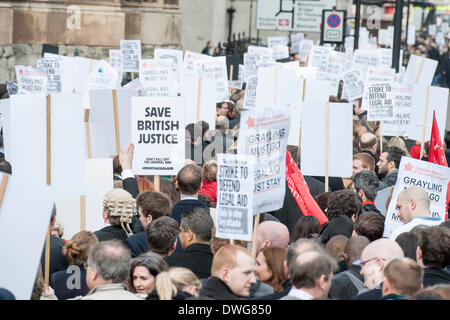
<point x="399" y="143"/>
<point x="175" y="284"/>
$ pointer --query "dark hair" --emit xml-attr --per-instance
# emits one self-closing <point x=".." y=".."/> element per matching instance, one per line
<point x="275" y="257"/>
<point x="322" y="200"/>
<point x="447" y="135"/>
<point x="206" y="200"/>
<point x="167" y="187"/>
<point x="117" y="167"/>
<point x="161" y="234"/>
<point x="394" y="154"/>
<point x="370" y="225"/>
<point x="199" y="221"/>
<point x="156" y="204"/>
<point x="368" y="182"/>
<point x="305" y="227"/>
<point x="408" y="241"/>
<point x="305" y="274"/>
<point x="152" y="261"/>
<point x="344" y="202"/>
<point x="340" y="225"/>
<point x="5" y="166"/>
<point x="189" y="179"/>
<point x="435" y="243"/>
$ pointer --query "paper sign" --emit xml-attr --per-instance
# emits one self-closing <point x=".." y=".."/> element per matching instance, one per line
<point x="381" y="198"/>
<point x="379" y="102"/>
<point x="234" y="213"/>
<point x="318" y="58"/>
<point x="190" y="58"/>
<point x="159" y="79"/>
<point x="277" y="41"/>
<point x="216" y="68"/>
<point x="115" y="60"/>
<point x="420" y="70"/>
<point x="411" y="34"/>
<point x="11" y="87"/>
<point x="250" y="93"/>
<point x="340" y="149"/>
<point x="431" y="177"/>
<point x="280" y="52"/>
<point x="237" y="84"/>
<point x="305" y="48"/>
<point x="437" y="101"/>
<point x="432" y="29"/>
<point x="31" y="80"/>
<point x="131" y="54"/>
<point x="402" y="101"/>
<point x="52" y="68"/>
<point x="264" y="135"/>
<point x="296" y="39"/>
<point x="174" y="56"/>
<point x="102" y="76"/>
<point x="135" y="85"/>
<point x="353" y="84"/>
<point x="157" y="130"/>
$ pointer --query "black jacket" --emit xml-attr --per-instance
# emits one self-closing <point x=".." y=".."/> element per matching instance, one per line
<point x="137" y="244"/>
<point x="57" y="260"/>
<point x="278" y="295"/>
<point x="432" y="276"/>
<point x="374" y="294"/>
<point x="111" y="233"/>
<point x="216" y="289"/>
<point x="66" y="288"/>
<point x="370" y="207"/>
<point x="342" y="287"/>
<point x="183" y="205"/>
<point x="197" y="257"/>
<point x="181" y="295"/>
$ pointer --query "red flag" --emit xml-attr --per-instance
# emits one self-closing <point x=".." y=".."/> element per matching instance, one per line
<point x="437" y="155"/>
<point x="300" y="191"/>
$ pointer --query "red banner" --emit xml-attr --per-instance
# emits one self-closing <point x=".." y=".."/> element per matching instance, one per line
<point x="300" y="191"/>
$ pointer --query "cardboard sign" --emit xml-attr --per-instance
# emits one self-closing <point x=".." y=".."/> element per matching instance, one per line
<point x="379" y="101"/>
<point x="250" y="93"/>
<point x="431" y="177"/>
<point x="174" y="56"/>
<point x="135" y="85"/>
<point x="334" y="69"/>
<point x="131" y="55"/>
<point x="425" y="100"/>
<point x="381" y="198"/>
<point x="264" y="135"/>
<point x="420" y="70"/>
<point x="318" y="58"/>
<point x="31" y="80"/>
<point x="52" y="68"/>
<point x="305" y="48"/>
<point x="363" y="59"/>
<point x="102" y="76"/>
<point x="353" y="84"/>
<point x="280" y="52"/>
<point x="234" y="213"/>
<point x="216" y="68"/>
<point x="432" y="29"/>
<point x="296" y="39"/>
<point x="159" y="79"/>
<point x="402" y="101"/>
<point x="157" y="131"/>
<point x="190" y="58"/>
<point x="340" y="149"/>
<point x="411" y="34"/>
<point x="277" y="41"/>
<point x="115" y="60"/>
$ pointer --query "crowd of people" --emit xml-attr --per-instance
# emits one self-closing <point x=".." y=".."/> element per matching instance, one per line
<point x="161" y="244"/>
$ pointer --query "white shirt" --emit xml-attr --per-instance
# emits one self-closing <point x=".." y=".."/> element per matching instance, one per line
<point x="303" y="295"/>
<point x="428" y="221"/>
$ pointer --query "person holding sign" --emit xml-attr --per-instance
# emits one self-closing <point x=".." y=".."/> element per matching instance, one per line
<point x="388" y="166"/>
<point x="413" y="209"/>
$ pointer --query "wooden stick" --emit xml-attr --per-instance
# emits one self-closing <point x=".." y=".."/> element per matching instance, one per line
<point x="232" y="242"/>
<point x="255" y="234"/>
<point x="116" y="120"/>
<point x="3" y="187"/>
<point x="231" y="78"/>
<point x="300" y="131"/>
<point x="420" y="69"/>
<point x="199" y="93"/>
<point x="132" y="76"/>
<point x="47" y="258"/>
<point x="425" y="116"/>
<point x="49" y="142"/>
<point x="381" y="136"/>
<point x="327" y="142"/>
<point x="157" y="182"/>
<point x="86" y="115"/>
<point x="83" y="212"/>
<point x="88" y="140"/>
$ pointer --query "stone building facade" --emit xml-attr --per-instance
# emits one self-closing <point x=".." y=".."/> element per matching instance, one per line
<point x="91" y="26"/>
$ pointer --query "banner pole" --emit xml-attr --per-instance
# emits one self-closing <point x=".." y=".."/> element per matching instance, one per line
<point x="83" y="212"/>
<point x="255" y="234"/>
<point x="157" y="182"/>
<point x="116" y="120"/>
<point x="47" y="258"/>
<point x="3" y="186"/>
<point x="49" y="142"/>
<point x="231" y="79"/>
<point x="425" y="116"/>
<point x="199" y="93"/>
<point x="327" y="142"/>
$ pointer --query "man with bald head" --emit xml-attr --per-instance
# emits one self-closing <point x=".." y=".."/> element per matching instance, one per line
<point x="375" y="256"/>
<point x="368" y="144"/>
<point x="311" y="273"/>
<point x="413" y="209"/>
<point x="272" y="233"/>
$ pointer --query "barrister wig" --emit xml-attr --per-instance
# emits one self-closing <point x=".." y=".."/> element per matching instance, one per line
<point x="119" y="203"/>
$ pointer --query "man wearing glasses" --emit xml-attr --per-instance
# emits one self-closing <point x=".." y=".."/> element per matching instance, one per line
<point x="375" y="256"/>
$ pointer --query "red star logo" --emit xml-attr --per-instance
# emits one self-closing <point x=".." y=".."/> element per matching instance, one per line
<point x="408" y="166"/>
<point x="144" y="65"/>
<point x="250" y="122"/>
<point x="21" y="71"/>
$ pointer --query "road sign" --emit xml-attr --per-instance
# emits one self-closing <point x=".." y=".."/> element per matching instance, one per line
<point x="333" y="26"/>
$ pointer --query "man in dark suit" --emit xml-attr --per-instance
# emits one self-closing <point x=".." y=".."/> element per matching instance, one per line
<point x="195" y="235"/>
<point x="151" y="205"/>
<point x="189" y="182"/>
<point x="366" y="186"/>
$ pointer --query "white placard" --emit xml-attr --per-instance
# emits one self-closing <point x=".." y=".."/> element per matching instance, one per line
<point x="237" y="84"/>
<point x="431" y="177"/>
<point x="340" y="147"/>
<point x="135" y="85"/>
<point x="432" y="29"/>
<point x="172" y="55"/>
<point x="379" y="102"/>
<point x="437" y="101"/>
<point x="31" y="80"/>
<point x="102" y="76"/>
<point x="420" y="70"/>
<point x="216" y="68"/>
<point x="131" y="55"/>
<point x="381" y="198"/>
<point x="264" y="135"/>
<point x="102" y="112"/>
<point x="277" y="41"/>
<point x="411" y="34"/>
<point x="318" y="58"/>
<point x="296" y="39"/>
<point x="353" y="84"/>
<point x="234" y="213"/>
<point x="280" y="52"/>
<point x="52" y="68"/>
<point x="26" y="207"/>
<point x="305" y="48"/>
<point x="115" y="60"/>
<point x="376" y="75"/>
<point x="157" y="130"/>
<point x="250" y="93"/>
<point x="190" y="58"/>
<point x="159" y="79"/>
<point x="402" y="101"/>
<point x="333" y="74"/>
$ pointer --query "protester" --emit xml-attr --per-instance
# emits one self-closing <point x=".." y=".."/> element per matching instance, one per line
<point x="169" y="189"/>
<point x="436" y="292"/>
<point x="233" y="273"/>
<point x="151" y="206"/>
<point x="175" y="284"/>
<point x="306" y="227"/>
<point x="162" y="235"/>
<point x="76" y="251"/>
<point x="366" y="186"/>
<point x="336" y="248"/>
<point x="402" y="278"/>
<point x="370" y="225"/>
<point x="368" y="144"/>
<point x="362" y="161"/>
<point x="408" y="241"/>
<point x="58" y="230"/>
<point x="209" y="183"/>
<point x="272" y="233"/>
<point x="388" y="166"/>
<point x="143" y="271"/>
<point x="195" y="235"/>
<point x="270" y="267"/>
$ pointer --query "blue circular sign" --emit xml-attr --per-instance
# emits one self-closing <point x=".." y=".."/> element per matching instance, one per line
<point x="333" y="20"/>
